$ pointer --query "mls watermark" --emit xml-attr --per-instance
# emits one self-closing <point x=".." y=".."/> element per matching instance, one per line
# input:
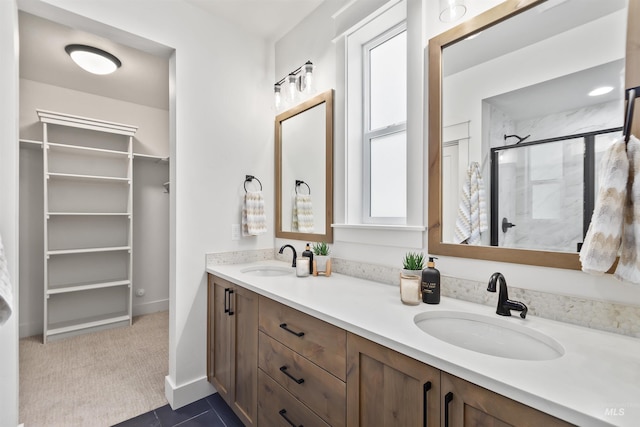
<point x="614" y="411"/>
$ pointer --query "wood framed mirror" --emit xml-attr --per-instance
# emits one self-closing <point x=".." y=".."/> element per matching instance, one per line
<point x="468" y="85"/>
<point x="304" y="170"/>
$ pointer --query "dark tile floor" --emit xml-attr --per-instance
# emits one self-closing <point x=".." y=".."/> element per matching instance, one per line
<point x="211" y="411"/>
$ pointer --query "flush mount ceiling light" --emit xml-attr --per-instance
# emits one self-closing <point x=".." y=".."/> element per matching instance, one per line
<point x="452" y="10"/>
<point x="601" y="91"/>
<point x="92" y="59"/>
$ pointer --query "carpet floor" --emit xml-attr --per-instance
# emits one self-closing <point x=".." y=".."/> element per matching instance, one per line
<point x="97" y="379"/>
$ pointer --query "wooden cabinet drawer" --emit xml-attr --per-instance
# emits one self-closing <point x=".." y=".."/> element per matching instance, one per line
<point x="318" y="341"/>
<point x="322" y="392"/>
<point x="278" y="408"/>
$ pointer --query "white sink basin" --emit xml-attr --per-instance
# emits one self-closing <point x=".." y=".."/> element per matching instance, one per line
<point x="497" y="336"/>
<point x="268" y="270"/>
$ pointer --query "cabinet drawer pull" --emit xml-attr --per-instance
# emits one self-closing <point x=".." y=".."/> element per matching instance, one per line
<point x="226" y="294"/>
<point x="283" y="414"/>
<point x="230" y="311"/>
<point x="425" y="390"/>
<point x="298" y="334"/>
<point x="283" y="369"/>
<point x="447" y="399"/>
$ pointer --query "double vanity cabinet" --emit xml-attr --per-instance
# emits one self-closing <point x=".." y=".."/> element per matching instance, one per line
<point x="277" y="366"/>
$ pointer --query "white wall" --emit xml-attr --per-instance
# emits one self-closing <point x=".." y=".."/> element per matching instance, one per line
<point x="151" y="204"/>
<point x="314" y="36"/>
<point x="221" y="129"/>
<point x="9" y="204"/>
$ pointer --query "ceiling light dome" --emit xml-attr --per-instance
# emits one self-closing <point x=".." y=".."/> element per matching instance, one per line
<point x="92" y="59"/>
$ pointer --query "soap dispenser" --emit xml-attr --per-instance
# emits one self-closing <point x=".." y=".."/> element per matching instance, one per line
<point x="307" y="253"/>
<point x="430" y="285"/>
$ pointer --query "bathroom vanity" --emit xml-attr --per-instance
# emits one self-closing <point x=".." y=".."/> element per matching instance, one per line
<point x="343" y="351"/>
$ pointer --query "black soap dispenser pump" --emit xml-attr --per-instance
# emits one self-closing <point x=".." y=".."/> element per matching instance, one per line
<point x="430" y="285"/>
<point x="307" y="253"/>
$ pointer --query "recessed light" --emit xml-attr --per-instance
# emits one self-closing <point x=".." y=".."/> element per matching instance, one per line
<point x="601" y="91"/>
<point x="92" y="59"/>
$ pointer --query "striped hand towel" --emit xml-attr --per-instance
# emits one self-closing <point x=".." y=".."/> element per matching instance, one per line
<point x="303" y="210"/>
<point x="628" y="268"/>
<point x="6" y="295"/>
<point x="254" y="221"/>
<point x="604" y="236"/>
<point x="472" y="210"/>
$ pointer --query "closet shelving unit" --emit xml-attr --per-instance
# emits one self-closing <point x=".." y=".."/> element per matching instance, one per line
<point x="88" y="217"/>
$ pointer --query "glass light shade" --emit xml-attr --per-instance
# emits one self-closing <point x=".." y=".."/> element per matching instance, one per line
<point x="292" y="89"/>
<point x="452" y="10"/>
<point x="93" y="60"/>
<point x="308" y="77"/>
<point x="277" y="97"/>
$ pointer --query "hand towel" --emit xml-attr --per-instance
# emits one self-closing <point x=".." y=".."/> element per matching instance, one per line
<point x="303" y="213"/>
<point x="628" y="268"/>
<point x="472" y="210"/>
<point x="604" y="236"/>
<point x="6" y="296"/>
<point x="254" y="221"/>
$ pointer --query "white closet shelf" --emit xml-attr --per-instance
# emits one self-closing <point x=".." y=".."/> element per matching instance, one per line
<point x="89" y="322"/>
<point x="85" y="123"/>
<point x="88" y="250"/>
<point x="150" y="157"/>
<point x="76" y="148"/>
<point x="62" y="289"/>
<point x="87" y="177"/>
<point x="31" y="141"/>
<point x="88" y="213"/>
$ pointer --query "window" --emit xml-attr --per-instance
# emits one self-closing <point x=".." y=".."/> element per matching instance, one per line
<point x="384" y="134"/>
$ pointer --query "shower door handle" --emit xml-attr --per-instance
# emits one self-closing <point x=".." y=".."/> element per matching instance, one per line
<point x="506" y="225"/>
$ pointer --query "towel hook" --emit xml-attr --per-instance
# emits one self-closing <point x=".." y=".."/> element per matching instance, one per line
<point x="250" y="178"/>
<point x="299" y="182"/>
<point x="631" y="96"/>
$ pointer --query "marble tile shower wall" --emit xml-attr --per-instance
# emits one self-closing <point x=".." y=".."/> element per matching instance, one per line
<point x="604" y="316"/>
<point x="536" y="206"/>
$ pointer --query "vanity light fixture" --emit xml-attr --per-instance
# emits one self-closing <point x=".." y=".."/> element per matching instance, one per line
<point x="452" y="10"/>
<point x="296" y="82"/>
<point x="603" y="90"/>
<point x="92" y="59"/>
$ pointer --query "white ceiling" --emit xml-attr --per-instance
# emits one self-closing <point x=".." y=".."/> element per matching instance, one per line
<point x="269" y="19"/>
<point x="143" y="78"/>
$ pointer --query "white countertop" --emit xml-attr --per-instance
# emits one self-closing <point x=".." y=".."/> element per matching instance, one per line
<point x="595" y="382"/>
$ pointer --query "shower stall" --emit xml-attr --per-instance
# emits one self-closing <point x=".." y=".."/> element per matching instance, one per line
<point x="543" y="192"/>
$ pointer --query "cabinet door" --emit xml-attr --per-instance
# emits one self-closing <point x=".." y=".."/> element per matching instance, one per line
<point x="243" y="311"/>
<point x="219" y="350"/>
<point x="466" y="404"/>
<point x="386" y="388"/>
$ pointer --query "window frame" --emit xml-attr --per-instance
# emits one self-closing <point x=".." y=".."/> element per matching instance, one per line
<point x="368" y="134"/>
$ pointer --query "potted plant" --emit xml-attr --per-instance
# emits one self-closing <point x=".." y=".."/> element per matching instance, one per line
<point x="321" y="259"/>
<point x="410" y="276"/>
<point x="413" y="263"/>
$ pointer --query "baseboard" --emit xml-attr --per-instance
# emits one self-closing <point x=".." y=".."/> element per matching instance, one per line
<point x="30" y="329"/>
<point x="186" y="393"/>
<point x="151" y="307"/>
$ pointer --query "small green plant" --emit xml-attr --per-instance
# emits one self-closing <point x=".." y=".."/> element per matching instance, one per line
<point x="320" y="248"/>
<point x="413" y="261"/>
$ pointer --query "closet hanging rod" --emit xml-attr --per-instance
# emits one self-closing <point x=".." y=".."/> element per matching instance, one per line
<point x="249" y="178"/>
<point x="630" y="96"/>
<point x="300" y="182"/>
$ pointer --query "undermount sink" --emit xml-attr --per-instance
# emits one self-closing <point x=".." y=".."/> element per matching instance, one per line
<point x="497" y="336"/>
<point x="267" y="270"/>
